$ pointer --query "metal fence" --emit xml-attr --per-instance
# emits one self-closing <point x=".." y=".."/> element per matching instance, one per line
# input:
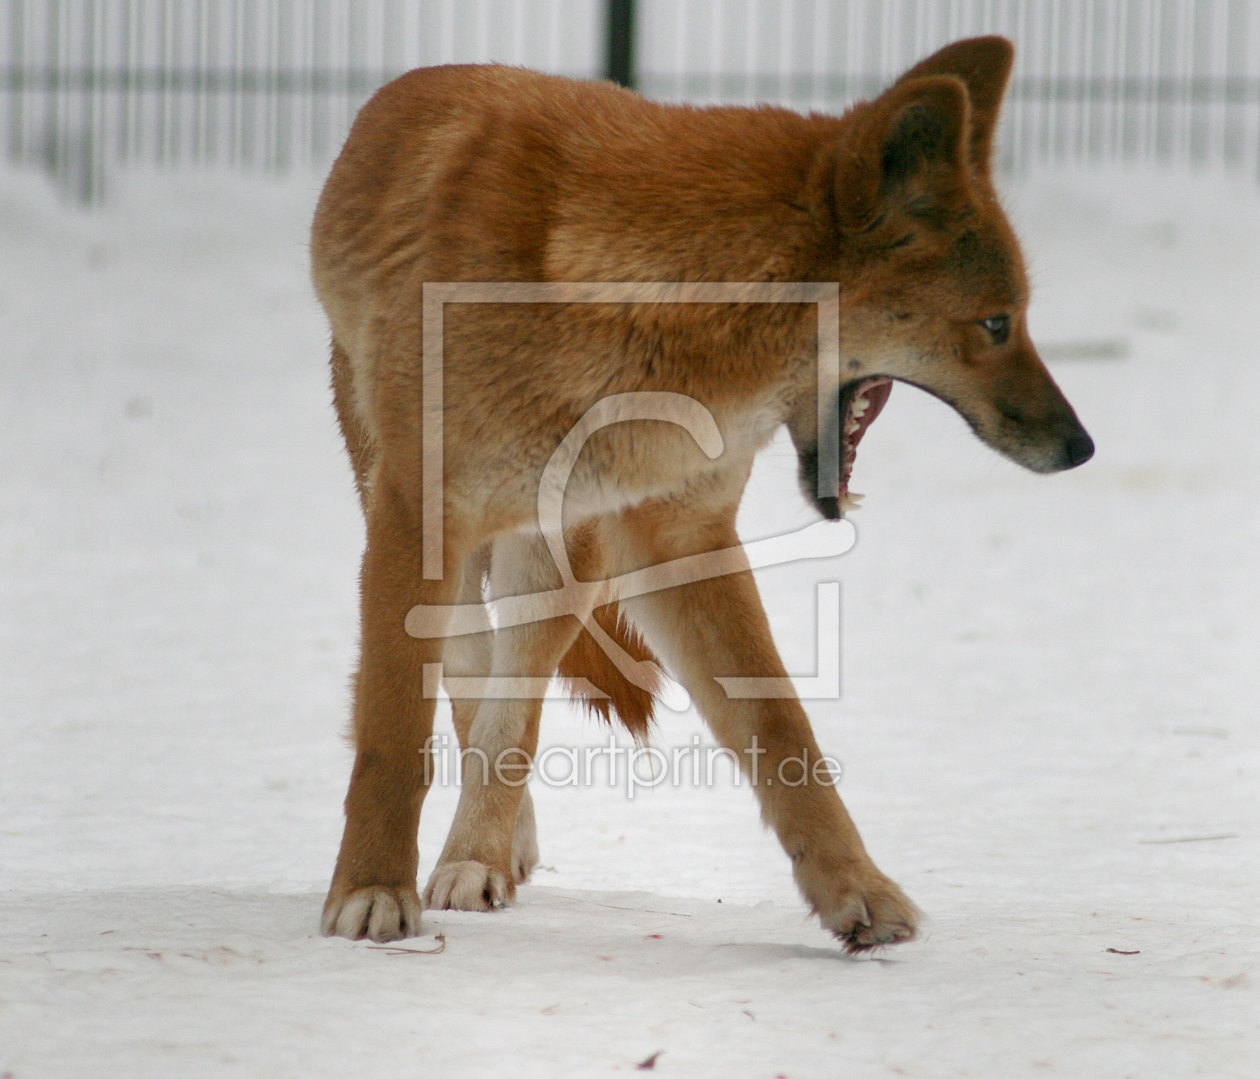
<point x="1151" y="81"/>
<point x="273" y="84"/>
<point x="252" y="84"/>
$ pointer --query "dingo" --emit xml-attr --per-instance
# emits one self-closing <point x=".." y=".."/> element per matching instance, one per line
<point x="452" y="416"/>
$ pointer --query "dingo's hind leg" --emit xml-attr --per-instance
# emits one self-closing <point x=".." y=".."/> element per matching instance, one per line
<point x="477" y="868"/>
<point x="373" y="891"/>
<point x="466" y="661"/>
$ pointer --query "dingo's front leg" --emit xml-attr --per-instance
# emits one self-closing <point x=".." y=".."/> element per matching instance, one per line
<point x="717" y="627"/>
<point x="373" y="891"/>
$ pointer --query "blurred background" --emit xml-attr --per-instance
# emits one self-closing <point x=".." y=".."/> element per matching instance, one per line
<point x="273" y="84"/>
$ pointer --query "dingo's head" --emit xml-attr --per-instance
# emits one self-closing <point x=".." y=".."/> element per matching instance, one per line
<point x="933" y="288"/>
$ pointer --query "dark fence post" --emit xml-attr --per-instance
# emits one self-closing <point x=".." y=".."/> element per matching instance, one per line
<point x="619" y="65"/>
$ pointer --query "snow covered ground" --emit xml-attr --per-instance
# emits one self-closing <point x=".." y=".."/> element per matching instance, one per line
<point x="1048" y="721"/>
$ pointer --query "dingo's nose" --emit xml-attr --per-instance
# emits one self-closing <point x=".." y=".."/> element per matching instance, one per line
<point x="1079" y="449"/>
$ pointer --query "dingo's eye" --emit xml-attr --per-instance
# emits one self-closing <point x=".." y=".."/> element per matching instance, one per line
<point x="998" y="328"/>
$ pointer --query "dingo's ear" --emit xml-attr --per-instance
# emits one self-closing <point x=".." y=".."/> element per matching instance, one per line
<point x="906" y="151"/>
<point x="923" y="132"/>
<point x="984" y="65"/>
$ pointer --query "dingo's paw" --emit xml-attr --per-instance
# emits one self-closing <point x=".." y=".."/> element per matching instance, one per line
<point x="467" y="886"/>
<point x="872" y="920"/>
<point x="376" y="911"/>
<point x="862" y="908"/>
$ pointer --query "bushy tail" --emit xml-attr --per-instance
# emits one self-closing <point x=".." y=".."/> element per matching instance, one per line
<point x="632" y="704"/>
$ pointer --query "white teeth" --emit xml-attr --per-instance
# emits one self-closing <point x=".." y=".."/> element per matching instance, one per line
<point x="851" y="500"/>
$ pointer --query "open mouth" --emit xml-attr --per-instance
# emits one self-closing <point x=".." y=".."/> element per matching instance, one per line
<point x="859" y="404"/>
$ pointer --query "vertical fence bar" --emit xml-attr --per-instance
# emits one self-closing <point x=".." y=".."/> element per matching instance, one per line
<point x="53" y="109"/>
<point x="1084" y="41"/>
<point x="1129" y="69"/>
<point x="197" y="90"/>
<point x="816" y="39"/>
<point x="1179" y="79"/>
<point x="1093" y="35"/>
<point x="1235" y="70"/>
<point x="162" y="95"/>
<point x="1108" y="75"/>
<point x="128" y="69"/>
<point x="356" y="55"/>
<point x="254" y="85"/>
<point x="394" y="57"/>
<point x="281" y="61"/>
<point x="1253" y="58"/>
<point x="1161" y="43"/>
<point x="176" y="81"/>
<point x="316" y="62"/>
<point x="266" y="68"/>
<point x="619" y="42"/>
<point x="214" y="76"/>
<point x="17" y="90"/>
<point x="90" y="179"/>
<point x="1200" y="111"/>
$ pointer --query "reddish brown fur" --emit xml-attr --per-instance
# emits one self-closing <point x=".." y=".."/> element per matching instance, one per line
<point x="489" y="174"/>
<point x="628" y="703"/>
